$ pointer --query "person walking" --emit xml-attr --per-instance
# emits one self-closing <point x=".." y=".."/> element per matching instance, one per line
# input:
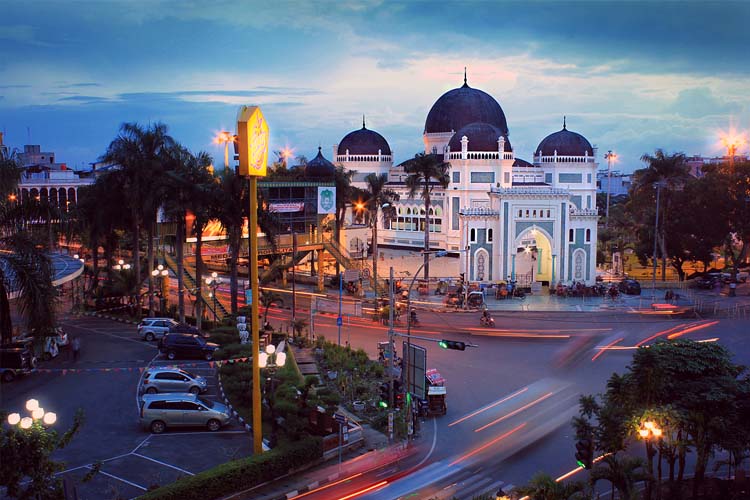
<point x="76" y="347"/>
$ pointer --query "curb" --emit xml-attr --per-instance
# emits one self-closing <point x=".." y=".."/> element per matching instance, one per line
<point x="247" y="427"/>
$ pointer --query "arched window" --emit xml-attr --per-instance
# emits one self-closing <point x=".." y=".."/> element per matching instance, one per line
<point x="481" y="257"/>
<point x="548" y="214"/>
<point x="534" y="214"/>
<point x="489" y="235"/>
<point x="571" y="235"/>
<point x="527" y="213"/>
<point x="472" y="235"/>
<point x="588" y="236"/>
<point x="520" y="213"/>
<point x="578" y="258"/>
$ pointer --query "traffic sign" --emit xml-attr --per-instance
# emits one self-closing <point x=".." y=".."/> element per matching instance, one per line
<point x="366" y="273"/>
<point x="339" y="321"/>
<point x="351" y="275"/>
<point x="339" y="418"/>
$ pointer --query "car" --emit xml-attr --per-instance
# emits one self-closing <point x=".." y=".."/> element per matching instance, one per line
<point x="184" y="328"/>
<point x="740" y="278"/>
<point x="629" y="287"/>
<point x="155" y="328"/>
<point x="157" y="380"/>
<point x="15" y="361"/>
<point x="184" y="345"/>
<point x="45" y="348"/>
<point x="162" y="411"/>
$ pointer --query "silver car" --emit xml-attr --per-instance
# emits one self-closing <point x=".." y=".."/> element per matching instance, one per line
<point x="160" y="411"/>
<point x="155" y="328"/>
<point x="172" y="380"/>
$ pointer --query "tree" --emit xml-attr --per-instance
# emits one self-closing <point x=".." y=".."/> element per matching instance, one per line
<point x="138" y="152"/>
<point x="267" y="299"/>
<point x="343" y="181"/>
<point x="231" y="209"/>
<point x="544" y="487"/>
<point x="380" y="197"/>
<point x="622" y="471"/>
<point x="27" y="456"/>
<point x="425" y="172"/>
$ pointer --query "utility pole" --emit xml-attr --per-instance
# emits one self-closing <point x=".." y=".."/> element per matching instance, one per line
<point x="391" y="347"/>
<point x="656" y="239"/>
<point x="610" y="156"/>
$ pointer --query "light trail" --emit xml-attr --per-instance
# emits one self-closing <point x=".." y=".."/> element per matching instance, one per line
<point x="488" y="407"/>
<point x="494" y="333"/>
<point x="366" y="490"/>
<point x="514" y="412"/>
<point x="577" y="470"/>
<point x="692" y="329"/>
<point x="659" y="334"/>
<point x="485" y="446"/>
<point x="606" y="347"/>
<point x="328" y="485"/>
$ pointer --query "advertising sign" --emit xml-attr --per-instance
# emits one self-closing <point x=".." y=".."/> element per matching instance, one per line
<point x="326" y="200"/>
<point x="252" y="141"/>
<point x="416" y="363"/>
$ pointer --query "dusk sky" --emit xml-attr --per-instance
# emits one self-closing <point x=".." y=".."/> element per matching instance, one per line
<point x="630" y="76"/>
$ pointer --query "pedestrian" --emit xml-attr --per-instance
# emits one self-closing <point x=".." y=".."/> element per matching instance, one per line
<point x="76" y="347"/>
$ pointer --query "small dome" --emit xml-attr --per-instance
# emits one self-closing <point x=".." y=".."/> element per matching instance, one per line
<point x="482" y="137"/>
<point x="459" y="107"/>
<point x="319" y="167"/>
<point x="522" y="163"/>
<point x="364" y="142"/>
<point x="566" y="143"/>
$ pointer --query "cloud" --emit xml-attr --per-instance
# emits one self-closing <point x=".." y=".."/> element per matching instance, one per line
<point x="84" y="84"/>
<point x="700" y="102"/>
<point x="15" y="86"/>
<point x="86" y="99"/>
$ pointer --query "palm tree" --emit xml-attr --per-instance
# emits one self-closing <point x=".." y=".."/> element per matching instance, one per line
<point x="544" y="487"/>
<point x="231" y="208"/>
<point x="138" y="152"/>
<point x="267" y="299"/>
<point x="425" y="172"/>
<point x="379" y="197"/>
<point x="623" y="472"/>
<point x="343" y="180"/>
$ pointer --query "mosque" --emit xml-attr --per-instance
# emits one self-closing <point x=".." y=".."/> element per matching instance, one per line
<point x="506" y="218"/>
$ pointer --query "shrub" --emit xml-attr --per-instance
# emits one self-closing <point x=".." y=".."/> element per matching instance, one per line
<point x="241" y="474"/>
<point x="229" y="351"/>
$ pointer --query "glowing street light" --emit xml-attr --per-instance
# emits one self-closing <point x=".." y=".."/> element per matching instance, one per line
<point x="732" y="141"/>
<point x="37" y="413"/>
<point x="225" y="138"/>
<point x="285" y="154"/>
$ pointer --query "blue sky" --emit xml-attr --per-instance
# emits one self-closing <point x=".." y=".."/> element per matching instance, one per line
<point x="630" y="76"/>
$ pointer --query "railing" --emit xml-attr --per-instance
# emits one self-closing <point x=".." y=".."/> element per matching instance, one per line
<point x="189" y="278"/>
<point x="584" y="212"/>
<point x="564" y="159"/>
<point x="478" y="155"/>
<point x="380" y="158"/>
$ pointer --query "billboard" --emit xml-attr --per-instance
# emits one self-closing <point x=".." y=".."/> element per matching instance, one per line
<point x="252" y="141"/>
<point x="326" y="200"/>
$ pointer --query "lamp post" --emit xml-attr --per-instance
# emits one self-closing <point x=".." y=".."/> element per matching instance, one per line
<point x="658" y="186"/>
<point x="610" y="156"/>
<point x="438" y="253"/>
<point x="226" y="139"/>
<point x="162" y="273"/>
<point x="650" y="431"/>
<point x="213" y="283"/>
<point x="732" y="142"/>
<point x="271" y="360"/>
<point x="37" y="415"/>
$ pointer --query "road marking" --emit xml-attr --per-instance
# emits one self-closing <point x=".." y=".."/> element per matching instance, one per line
<point x="123" y="480"/>
<point x="514" y="412"/>
<point x="142" y="443"/>
<point x="138" y="386"/>
<point x="506" y="398"/>
<point x="434" y="442"/>
<point x="163" y="463"/>
<point x="607" y="347"/>
<point x="99" y="332"/>
<point x="167" y="434"/>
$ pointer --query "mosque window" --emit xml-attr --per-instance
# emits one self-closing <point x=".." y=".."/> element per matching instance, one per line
<point x="571" y="236"/>
<point x="534" y="214"/>
<point x="489" y="235"/>
<point x="482" y="177"/>
<point x="456" y="177"/>
<point x="472" y="235"/>
<point x="520" y="213"/>
<point x="588" y="236"/>
<point x="506" y="177"/>
<point x="571" y="178"/>
<point x="527" y="214"/>
<point x="548" y="178"/>
<point x="548" y="214"/>
<point x="588" y="178"/>
<point x="455" y="207"/>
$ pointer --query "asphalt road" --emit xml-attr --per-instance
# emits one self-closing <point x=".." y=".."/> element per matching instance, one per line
<point x="103" y="383"/>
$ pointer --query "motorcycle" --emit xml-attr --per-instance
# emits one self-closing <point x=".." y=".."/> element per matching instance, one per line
<point x="487" y="321"/>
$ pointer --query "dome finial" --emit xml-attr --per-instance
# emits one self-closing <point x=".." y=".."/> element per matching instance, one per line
<point x="465" y="84"/>
<point x="565" y="127"/>
<point x="363" y="121"/>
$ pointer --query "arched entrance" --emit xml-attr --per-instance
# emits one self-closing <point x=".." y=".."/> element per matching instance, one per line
<point x="533" y="256"/>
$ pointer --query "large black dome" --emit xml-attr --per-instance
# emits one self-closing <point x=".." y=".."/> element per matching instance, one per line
<point x="319" y="168"/>
<point x="459" y="107"/>
<point x="566" y="143"/>
<point x="482" y="137"/>
<point x="364" y="142"/>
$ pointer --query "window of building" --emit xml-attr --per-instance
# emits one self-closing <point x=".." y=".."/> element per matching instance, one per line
<point x="548" y="178"/>
<point x="588" y="178"/>
<point x="520" y="213"/>
<point x="571" y="236"/>
<point x="489" y="235"/>
<point x="576" y="200"/>
<point x="578" y="265"/>
<point x="456" y="177"/>
<point x="482" y="177"/>
<point x="571" y="178"/>
<point x="506" y="177"/>
<point x="548" y="214"/>
<point x="588" y="236"/>
<point x="534" y="214"/>
<point x="472" y="235"/>
<point x="527" y="214"/>
<point x="588" y="201"/>
<point x="455" y="204"/>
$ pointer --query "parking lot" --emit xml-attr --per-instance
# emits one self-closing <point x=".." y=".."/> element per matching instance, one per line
<point x="104" y="383"/>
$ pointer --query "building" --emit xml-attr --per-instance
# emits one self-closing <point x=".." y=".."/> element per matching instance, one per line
<point x="505" y="217"/>
<point x="616" y="182"/>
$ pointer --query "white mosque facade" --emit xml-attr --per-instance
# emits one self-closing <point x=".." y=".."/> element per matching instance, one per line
<point x="505" y="217"/>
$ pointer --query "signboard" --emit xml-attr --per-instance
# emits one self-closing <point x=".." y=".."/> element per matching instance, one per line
<point x="416" y="362"/>
<point x="339" y="321"/>
<point x="249" y="296"/>
<point x="390" y="423"/>
<point x="326" y="200"/>
<point x="348" y="308"/>
<point x="283" y="208"/>
<point x="252" y="141"/>
<point x="339" y="418"/>
<point x="351" y="275"/>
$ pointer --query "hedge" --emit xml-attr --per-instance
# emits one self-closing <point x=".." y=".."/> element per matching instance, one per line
<point x="242" y="474"/>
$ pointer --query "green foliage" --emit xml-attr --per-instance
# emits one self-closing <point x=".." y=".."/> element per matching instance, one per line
<point x="26" y="454"/>
<point x="544" y="487"/>
<point x="241" y="474"/>
<point x="229" y="351"/>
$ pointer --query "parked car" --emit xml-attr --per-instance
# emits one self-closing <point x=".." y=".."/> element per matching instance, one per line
<point x="183" y="345"/>
<point x="184" y="328"/>
<point x="161" y="411"/>
<point x="629" y="287"/>
<point x="44" y="348"/>
<point x="155" y="328"/>
<point x="15" y="361"/>
<point x="172" y="380"/>
<point x="740" y="278"/>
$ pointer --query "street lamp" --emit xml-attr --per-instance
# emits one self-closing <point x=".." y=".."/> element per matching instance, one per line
<point x="161" y="272"/>
<point x="610" y="156"/>
<point x="732" y="142"/>
<point x="37" y="414"/>
<point x="271" y="360"/>
<point x="285" y="154"/>
<point x="121" y="266"/>
<point x="226" y="139"/>
<point x="650" y="431"/>
<point x="213" y="284"/>
<point x="658" y="187"/>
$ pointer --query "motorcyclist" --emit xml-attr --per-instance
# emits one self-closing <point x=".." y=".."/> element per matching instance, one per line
<point x="486" y="318"/>
<point x="413" y="315"/>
